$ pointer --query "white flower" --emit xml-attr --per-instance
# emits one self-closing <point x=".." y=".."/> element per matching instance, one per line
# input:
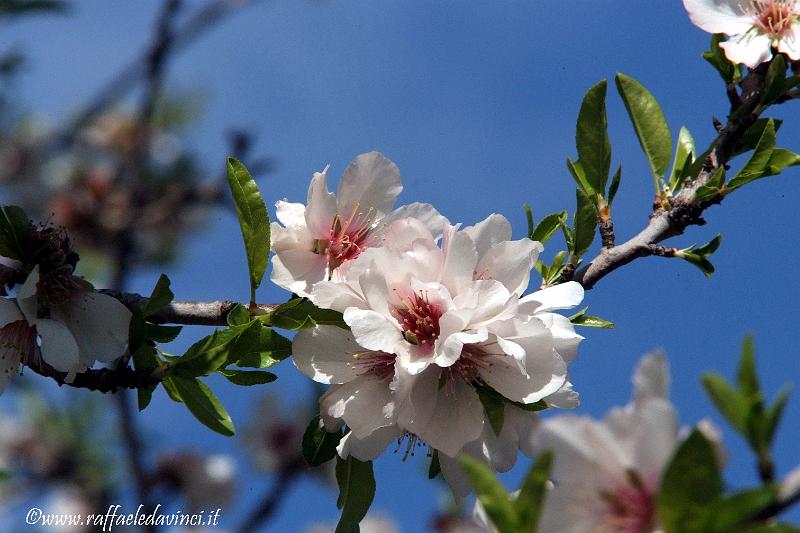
<point x="88" y="326"/>
<point x="317" y="240"/>
<point x="429" y="325"/>
<point x="753" y="27"/>
<point x="607" y="473"/>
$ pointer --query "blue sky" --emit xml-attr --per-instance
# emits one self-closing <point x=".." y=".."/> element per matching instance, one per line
<point x="476" y="102"/>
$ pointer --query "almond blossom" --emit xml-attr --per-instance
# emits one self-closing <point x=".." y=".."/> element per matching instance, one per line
<point x="430" y="325"/>
<point x="607" y="473"/>
<point x="753" y="27"/>
<point x="316" y="240"/>
<point x="74" y="328"/>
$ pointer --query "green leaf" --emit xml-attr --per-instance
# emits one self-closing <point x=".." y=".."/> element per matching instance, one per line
<point x="356" y="491"/>
<point x="582" y="319"/>
<point x="548" y="226"/>
<point x="493" y="496"/>
<point x="612" y="189"/>
<point x="494" y="407"/>
<point x="700" y="262"/>
<point x="710" y="247"/>
<point x="585" y="222"/>
<point x="728" y="401"/>
<point x="435" y="468"/>
<point x="159" y="333"/>
<point x="690" y="483"/>
<point x="753" y="134"/>
<point x="775" y="413"/>
<point x="529" y="218"/>
<point x="728" y="512"/>
<point x="300" y="313"/>
<point x="170" y="389"/>
<point x="775" y="84"/>
<point x="758" y="163"/>
<point x="238" y="316"/>
<point x="269" y="349"/>
<point x="712" y="188"/>
<point x="649" y="123"/>
<point x="253" y="220"/>
<point x="143" y="397"/>
<point x="203" y="404"/>
<point x="576" y="170"/>
<point x="747" y="378"/>
<point x="248" y="378"/>
<point x="160" y="297"/>
<point x="591" y="138"/>
<point x="780" y="159"/>
<point x="684" y="157"/>
<point x="319" y="445"/>
<point x="530" y="500"/>
<point x="217" y="350"/>
<point x="13" y="229"/>
<point x="716" y="57"/>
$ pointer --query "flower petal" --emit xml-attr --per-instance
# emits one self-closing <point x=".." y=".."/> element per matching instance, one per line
<point x="445" y="417"/>
<point x="460" y="259"/>
<point x="365" y="404"/>
<point x="9" y="312"/>
<point x="371" y="181"/>
<point x="718" y="16"/>
<point x="651" y="378"/>
<point x="510" y="263"/>
<point x="748" y="48"/>
<point x="493" y="229"/>
<point x="374" y="331"/>
<point x="325" y="354"/>
<point x="562" y="296"/>
<point x="545" y="373"/>
<point x="371" y="446"/>
<point x="99" y="324"/>
<point x="290" y="214"/>
<point x="58" y="346"/>
<point x="297" y="270"/>
<point x="321" y="208"/>
<point x="426" y="214"/>
<point x="789" y="44"/>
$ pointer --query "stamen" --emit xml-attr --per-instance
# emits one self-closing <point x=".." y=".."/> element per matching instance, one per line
<point x="377" y="364"/>
<point x="418" y="318"/>
<point x="411" y="443"/>
<point x="773" y="17"/>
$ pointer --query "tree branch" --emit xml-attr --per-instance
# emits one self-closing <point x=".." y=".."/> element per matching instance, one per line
<point x="682" y="211"/>
<point x="188" y="313"/>
<point x="103" y="380"/>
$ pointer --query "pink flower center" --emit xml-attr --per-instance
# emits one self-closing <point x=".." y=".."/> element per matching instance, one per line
<point x="17" y="339"/>
<point x="468" y="367"/>
<point x="773" y="17"/>
<point x="377" y="364"/>
<point x="419" y="319"/>
<point x="348" y="237"/>
<point x="630" y="508"/>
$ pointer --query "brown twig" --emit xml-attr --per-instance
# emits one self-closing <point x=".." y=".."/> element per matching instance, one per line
<point x="682" y="211"/>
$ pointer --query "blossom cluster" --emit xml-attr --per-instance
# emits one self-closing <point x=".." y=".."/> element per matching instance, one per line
<point x="438" y="320"/>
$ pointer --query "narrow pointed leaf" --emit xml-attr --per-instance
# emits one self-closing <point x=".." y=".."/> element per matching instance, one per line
<point x="548" y="226"/>
<point x="747" y="377"/>
<point x="585" y="222"/>
<point x="614" y="187"/>
<point x="591" y="138"/>
<point x="492" y="495"/>
<point x="319" y="445"/>
<point x="728" y="401"/>
<point x="691" y="481"/>
<point x="716" y="57"/>
<point x="253" y="220"/>
<point x="13" y="228"/>
<point x="356" y="491"/>
<point x="758" y="163"/>
<point x="578" y="174"/>
<point x="775" y="83"/>
<point x="248" y="378"/>
<point x="684" y="157"/>
<point x="203" y="404"/>
<point x="532" y="494"/>
<point x="648" y="122"/>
